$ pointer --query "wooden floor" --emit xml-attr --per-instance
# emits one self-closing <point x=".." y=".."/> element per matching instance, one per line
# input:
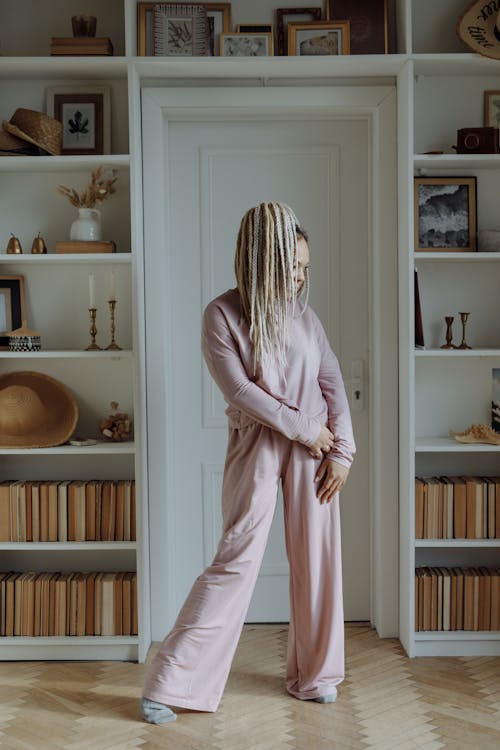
<point x="386" y="701"/>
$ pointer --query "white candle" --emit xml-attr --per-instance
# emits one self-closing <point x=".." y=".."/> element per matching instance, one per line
<point x="112" y="286"/>
<point x="91" y="290"/>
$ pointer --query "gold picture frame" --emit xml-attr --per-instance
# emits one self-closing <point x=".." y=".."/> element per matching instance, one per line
<point x="220" y="13"/>
<point x="248" y="44"/>
<point x="319" y="38"/>
<point x="492" y="109"/>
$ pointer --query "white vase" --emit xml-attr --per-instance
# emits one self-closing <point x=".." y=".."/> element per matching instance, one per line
<point x="87" y="226"/>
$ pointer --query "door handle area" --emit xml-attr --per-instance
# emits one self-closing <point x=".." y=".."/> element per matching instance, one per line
<point x="357" y="385"/>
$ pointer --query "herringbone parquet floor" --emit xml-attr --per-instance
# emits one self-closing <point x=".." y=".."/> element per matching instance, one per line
<point x="386" y="702"/>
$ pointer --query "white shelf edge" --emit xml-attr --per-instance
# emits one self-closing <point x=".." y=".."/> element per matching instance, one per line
<point x="468" y="353"/>
<point x="65" y="67"/>
<point x="55" y="640"/>
<point x="474" y="257"/>
<point x="453" y="63"/>
<point x="68" y="354"/>
<point x="457" y="543"/>
<point x="67" y="546"/>
<point x="449" y="445"/>
<point x="61" y="163"/>
<point x="68" y="258"/>
<point x="456" y="161"/>
<point x="457" y="635"/>
<point x="70" y="450"/>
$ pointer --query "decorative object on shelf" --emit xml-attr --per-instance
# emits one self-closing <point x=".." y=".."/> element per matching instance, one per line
<point x="449" y="335"/>
<point x="85" y="246"/>
<point x="23" y="339"/>
<point x="36" y="411"/>
<point x="319" y="38"/>
<point x="477" y="141"/>
<point x="419" y="328"/>
<point x="445" y="214"/>
<point x="12" y="307"/>
<point x="14" y="246"/>
<point x="81" y="45"/>
<point x="93" y="314"/>
<point x="368" y="24"/>
<point x="82" y="442"/>
<point x="12" y="146"/>
<point x="246" y="45"/>
<point x="477" y="433"/>
<point x="38" y="246"/>
<point x="179" y="30"/>
<point x="479" y="28"/>
<point x="36" y="128"/>
<point x="492" y="109"/>
<point x="85" y="114"/>
<point x="83" y="25"/>
<point x="495" y="400"/>
<point x="117" y="426"/>
<point x="112" y="304"/>
<point x="218" y="20"/>
<point x="87" y="227"/>
<point x="300" y="15"/>
<point x="463" y="317"/>
<point x="488" y="240"/>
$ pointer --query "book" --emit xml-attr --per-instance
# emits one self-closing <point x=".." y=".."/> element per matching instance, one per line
<point x="420" y="491"/>
<point x="85" y="246"/>
<point x="459" y="507"/>
<point x="62" y="511"/>
<point x="5" y="511"/>
<point x="53" y="511"/>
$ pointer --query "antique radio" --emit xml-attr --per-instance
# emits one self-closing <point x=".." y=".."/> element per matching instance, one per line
<point x="477" y="141"/>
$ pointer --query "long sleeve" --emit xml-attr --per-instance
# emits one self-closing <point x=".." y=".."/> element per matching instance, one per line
<point x="221" y="354"/>
<point x="333" y="389"/>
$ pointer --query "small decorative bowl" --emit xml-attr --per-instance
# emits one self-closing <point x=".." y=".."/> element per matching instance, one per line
<point x="24" y="340"/>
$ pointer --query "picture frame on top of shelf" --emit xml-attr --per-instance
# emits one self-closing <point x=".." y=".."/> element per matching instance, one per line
<point x="369" y="33"/>
<point x="85" y="112"/>
<point x="218" y="17"/>
<point x="320" y="38"/>
<point x="495" y="399"/>
<point x="254" y="28"/>
<point x="246" y="45"/>
<point x="492" y="109"/>
<point x="12" y="306"/>
<point x="445" y="214"/>
<point x="299" y="15"/>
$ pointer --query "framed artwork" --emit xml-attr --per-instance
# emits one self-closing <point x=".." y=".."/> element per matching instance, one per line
<point x="299" y="15"/>
<point x="218" y="19"/>
<point x="256" y="28"/>
<point x="419" y="327"/>
<point x="12" y="309"/>
<point x="320" y="38"/>
<point x="445" y="214"/>
<point x="246" y="45"/>
<point x="179" y="30"/>
<point x="85" y="114"/>
<point x="492" y="109"/>
<point x="368" y="20"/>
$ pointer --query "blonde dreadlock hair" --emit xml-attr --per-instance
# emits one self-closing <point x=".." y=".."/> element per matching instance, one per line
<point x="264" y="267"/>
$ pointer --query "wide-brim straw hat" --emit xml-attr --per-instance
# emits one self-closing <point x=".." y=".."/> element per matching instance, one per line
<point x="36" y="128"/>
<point x="480" y="31"/>
<point x="10" y="145"/>
<point x="36" y="411"/>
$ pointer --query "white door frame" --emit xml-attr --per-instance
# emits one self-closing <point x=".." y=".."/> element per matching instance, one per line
<point x="376" y="104"/>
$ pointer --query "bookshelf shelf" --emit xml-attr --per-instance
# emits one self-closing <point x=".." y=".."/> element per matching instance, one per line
<point x="460" y="353"/>
<point x="457" y="635"/>
<point x="425" y="162"/>
<point x="63" y="163"/>
<point x="67" y="546"/>
<point x="458" y="543"/>
<point x="448" y="445"/>
<point x="112" y="648"/>
<point x="439" y="257"/>
<point x="69" y="450"/>
<point x="67" y="258"/>
<point x="68" y="354"/>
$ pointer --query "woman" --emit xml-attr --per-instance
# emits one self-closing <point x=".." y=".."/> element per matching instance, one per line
<point x="288" y="420"/>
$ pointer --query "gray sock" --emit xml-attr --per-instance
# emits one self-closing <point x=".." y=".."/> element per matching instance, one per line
<point x="327" y="698"/>
<point x="156" y="713"/>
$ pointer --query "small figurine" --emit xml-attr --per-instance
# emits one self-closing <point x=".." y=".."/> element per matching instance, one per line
<point x="117" y="426"/>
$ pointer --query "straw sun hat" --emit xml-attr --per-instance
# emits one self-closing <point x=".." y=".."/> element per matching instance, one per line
<point x="37" y="128"/>
<point x="36" y="411"/>
<point x="479" y="29"/>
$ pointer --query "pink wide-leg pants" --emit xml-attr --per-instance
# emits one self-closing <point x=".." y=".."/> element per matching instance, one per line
<point x="192" y="666"/>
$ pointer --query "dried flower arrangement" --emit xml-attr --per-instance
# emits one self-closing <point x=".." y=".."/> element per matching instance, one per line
<point x="98" y="189"/>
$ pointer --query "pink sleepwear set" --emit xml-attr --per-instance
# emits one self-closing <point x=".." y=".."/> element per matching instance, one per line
<point x="271" y="422"/>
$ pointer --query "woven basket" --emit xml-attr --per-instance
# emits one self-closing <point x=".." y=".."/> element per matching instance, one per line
<point x="37" y="128"/>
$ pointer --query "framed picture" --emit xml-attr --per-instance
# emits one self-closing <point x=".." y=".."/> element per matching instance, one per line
<point x="86" y="117"/>
<point x="256" y="28"/>
<point x="246" y="45"/>
<point x="179" y="30"/>
<point x="320" y="38"/>
<point x="299" y="15"/>
<point x="419" y="327"/>
<point x="12" y="310"/>
<point x="445" y="214"/>
<point x="368" y="19"/>
<point x="218" y="17"/>
<point x="492" y="109"/>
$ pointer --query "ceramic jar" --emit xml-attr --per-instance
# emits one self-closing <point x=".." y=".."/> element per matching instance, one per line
<point x="87" y="227"/>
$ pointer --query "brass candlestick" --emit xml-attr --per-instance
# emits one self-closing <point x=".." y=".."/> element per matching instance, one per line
<point x="93" y="330"/>
<point x="449" y="320"/>
<point x="112" y="305"/>
<point x="463" y="318"/>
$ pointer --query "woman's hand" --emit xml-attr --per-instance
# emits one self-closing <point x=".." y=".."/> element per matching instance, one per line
<point x="323" y="444"/>
<point x="331" y="477"/>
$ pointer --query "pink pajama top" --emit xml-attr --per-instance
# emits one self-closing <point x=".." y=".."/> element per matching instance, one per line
<point x="312" y="392"/>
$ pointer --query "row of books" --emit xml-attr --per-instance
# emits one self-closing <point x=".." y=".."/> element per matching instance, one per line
<point x="81" y="45"/>
<point x="62" y="604"/>
<point x="457" y="598"/>
<point x="457" y="507"/>
<point x="68" y="511"/>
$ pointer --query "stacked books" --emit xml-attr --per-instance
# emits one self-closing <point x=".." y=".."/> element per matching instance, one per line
<point x="62" y="604"/>
<point x="457" y="598"/>
<point x="68" y="511"/>
<point x="81" y="45"/>
<point x="85" y="246"/>
<point x="455" y="507"/>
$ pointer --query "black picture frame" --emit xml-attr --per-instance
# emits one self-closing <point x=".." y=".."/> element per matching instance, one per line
<point x="12" y="310"/>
